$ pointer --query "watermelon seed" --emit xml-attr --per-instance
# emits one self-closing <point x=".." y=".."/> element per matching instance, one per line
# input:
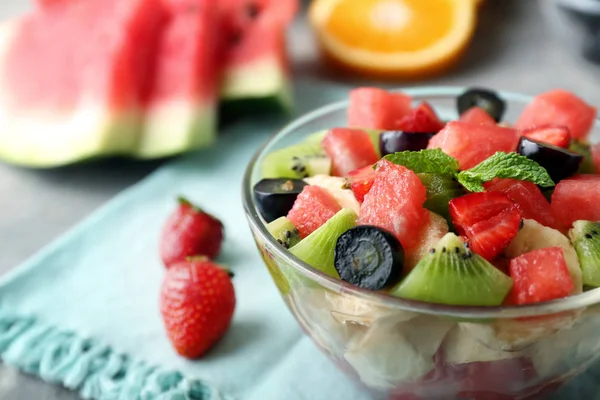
<point x="431" y="250"/>
<point x="588" y="235"/>
<point x="457" y="250"/>
<point x="443" y="249"/>
<point x="521" y="224"/>
<point x="252" y="10"/>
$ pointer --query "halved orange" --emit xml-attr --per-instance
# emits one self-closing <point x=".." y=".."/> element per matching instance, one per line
<point x="395" y="38"/>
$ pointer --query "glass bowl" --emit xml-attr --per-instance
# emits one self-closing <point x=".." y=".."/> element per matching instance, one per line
<point x="398" y="348"/>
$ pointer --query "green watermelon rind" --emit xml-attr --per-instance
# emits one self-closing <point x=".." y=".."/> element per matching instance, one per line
<point x="263" y="82"/>
<point x="175" y="128"/>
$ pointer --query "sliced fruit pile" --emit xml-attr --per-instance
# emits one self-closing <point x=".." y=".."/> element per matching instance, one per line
<point x="466" y="212"/>
<point x="197" y="298"/>
<point x="141" y="78"/>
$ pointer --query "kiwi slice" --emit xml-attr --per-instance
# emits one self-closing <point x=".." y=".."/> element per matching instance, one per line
<point x="585" y="237"/>
<point x="318" y="248"/>
<point x="587" y="165"/>
<point x="440" y="190"/>
<point x="316" y="137"/>
<point x="452" y="274"/>
<point x="298" y="161"/>
<point x="284" y="231"/>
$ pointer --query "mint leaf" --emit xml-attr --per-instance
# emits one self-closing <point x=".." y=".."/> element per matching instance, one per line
<point x="504" y="165"/>
<point x="433" y="161"/>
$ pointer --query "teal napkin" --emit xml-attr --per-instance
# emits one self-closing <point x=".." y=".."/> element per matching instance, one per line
<point x="83" y="312"/>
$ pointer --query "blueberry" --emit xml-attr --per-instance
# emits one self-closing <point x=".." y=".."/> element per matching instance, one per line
<point x="275" y="197"/>
<point x="391" y="142"/>
<point x="559" y="163"/>
<point x="369" y="257"/>
<point x="488" y="100"/>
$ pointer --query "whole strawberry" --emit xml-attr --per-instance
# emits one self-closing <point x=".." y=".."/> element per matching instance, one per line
<point x="197" y="303"/>
<point x="189" y="231"/>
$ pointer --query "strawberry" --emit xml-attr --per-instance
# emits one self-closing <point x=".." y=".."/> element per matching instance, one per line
<point x="361" y="180"/>
<point x="558" y="136"/>
<point x="197" y="303"/>
<point x="477" y="115"/>
<point x="421" y="119"/>
<point x="189" y="231"/>
<point x="489" y="220"/>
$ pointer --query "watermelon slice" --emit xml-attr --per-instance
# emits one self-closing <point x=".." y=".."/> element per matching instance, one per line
<point x="180" y="108"/>
<point x="577" y="198"/>
<point x="559" y="107"/>
<point x="540" y="275"/>
<point x="312" y="208"/>
<point x="65" y="98"/>
<point x="349" y="149"/>
<point x="256" y="64"/>
<point x="477" y="115"/>
<point x="470" y="144"/>
<point x="558" y="136"/>
<point x="395" y="203"/>
<point x="374" y="108"/>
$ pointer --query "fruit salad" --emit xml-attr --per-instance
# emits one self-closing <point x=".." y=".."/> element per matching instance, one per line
<point x="465" y="212"/>
<point x="473" y="211"/>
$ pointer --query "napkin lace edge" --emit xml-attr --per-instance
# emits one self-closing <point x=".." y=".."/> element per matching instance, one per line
<point x="90" y="367"/>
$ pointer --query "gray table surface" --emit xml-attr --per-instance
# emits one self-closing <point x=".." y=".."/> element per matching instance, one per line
<point x="513" y="50"/>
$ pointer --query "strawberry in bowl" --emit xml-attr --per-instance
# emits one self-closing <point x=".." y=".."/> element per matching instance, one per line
<point x="429" y="249"/>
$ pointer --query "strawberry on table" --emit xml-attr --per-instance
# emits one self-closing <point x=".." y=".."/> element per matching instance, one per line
<point x="197" y="303"/>
<point x="189" y="231"/>
<point x="489" y="220"/>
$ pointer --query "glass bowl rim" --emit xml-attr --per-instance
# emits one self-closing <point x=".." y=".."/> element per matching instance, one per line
<point x="573" y="302"/>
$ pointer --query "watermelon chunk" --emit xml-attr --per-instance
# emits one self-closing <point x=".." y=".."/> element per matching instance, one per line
<point x="348" y="149"/>
<point x="540" y="275"/>
<point x="477" y="115"/>
<point x="421" y="119"/>
<point x="312" y="208"/>
<point x="559" y="107"/>
<point x="256" y="63"/>
<point x="67" y="97"/>
<point x="577" y="198"/>
<point x="470" y="144"/>
<point x="530" y="199"/>
<point x="181" y="106"/>
<point x="374" y="108"/>
<point x="395" y="203"/>
<point x="361" y="181"/>
<point x="552" y="134"/>
<point x="596" y="156"/>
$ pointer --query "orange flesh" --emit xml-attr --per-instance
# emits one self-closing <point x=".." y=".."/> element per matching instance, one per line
<point x="390" y="26"/>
